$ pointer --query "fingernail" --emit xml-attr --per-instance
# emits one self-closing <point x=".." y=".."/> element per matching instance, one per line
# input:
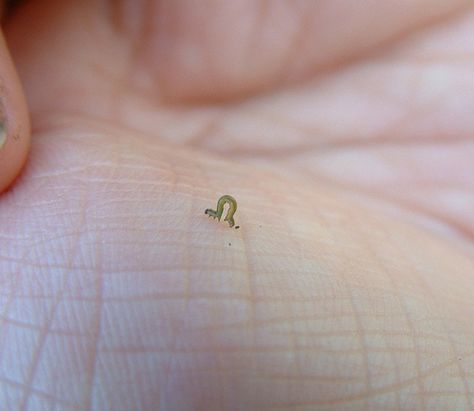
<point x="3" y="128"/>
<point x="3" y="135"/>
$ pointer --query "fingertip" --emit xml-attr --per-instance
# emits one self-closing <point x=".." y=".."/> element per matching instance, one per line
<point x="14" y="121"/>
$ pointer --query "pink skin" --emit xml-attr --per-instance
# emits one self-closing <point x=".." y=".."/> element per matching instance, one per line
<point x="344" y="131"/>
<point x="14" y="121"/>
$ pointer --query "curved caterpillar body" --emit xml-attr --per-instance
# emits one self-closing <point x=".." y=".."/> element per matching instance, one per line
<point x="225" y="199"/>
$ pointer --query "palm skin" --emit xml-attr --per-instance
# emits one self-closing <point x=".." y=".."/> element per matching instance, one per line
<point x="348" y="147"/>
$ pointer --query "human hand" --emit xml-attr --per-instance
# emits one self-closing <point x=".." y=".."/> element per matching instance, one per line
<point x="344" y="129"/>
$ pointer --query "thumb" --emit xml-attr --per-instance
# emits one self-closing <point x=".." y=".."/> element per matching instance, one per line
<point x="14" y="121"/>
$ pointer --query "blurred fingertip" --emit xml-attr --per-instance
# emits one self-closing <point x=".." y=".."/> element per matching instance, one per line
<point x="14" y="121"/>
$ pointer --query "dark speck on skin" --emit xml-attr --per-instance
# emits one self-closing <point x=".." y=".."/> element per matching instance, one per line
<point x="230" y="243"/>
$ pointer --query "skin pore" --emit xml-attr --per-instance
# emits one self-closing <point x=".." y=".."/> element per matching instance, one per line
<point x="343" y="129"/>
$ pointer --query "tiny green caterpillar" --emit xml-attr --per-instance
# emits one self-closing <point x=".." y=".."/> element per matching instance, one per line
<point x="225" y="199"/>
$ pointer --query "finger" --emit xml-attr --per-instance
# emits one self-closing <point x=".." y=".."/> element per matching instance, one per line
<point x="221" y="50"/>
<point x="196" y="51"/>
<point x="14" y="122"/>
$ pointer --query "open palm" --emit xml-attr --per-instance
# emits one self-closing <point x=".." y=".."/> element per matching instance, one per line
<point x="344" y="129"/>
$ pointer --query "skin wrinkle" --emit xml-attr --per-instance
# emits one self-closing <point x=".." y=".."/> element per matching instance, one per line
<point x="455" y="354"/>
<point x="376" y="392"/>
<point x="44" y="395"/>
<point x="362" y="341"/>
<point x="116" y="11"/>
<point x="296" y="348"/>
<point x="285" y="153"/>
<point x="251" y="291"/>
<point x="407" y="142"/>
<point x="410" y="141"/>
<point x="410" y="206"/>
<point x="295" y="48"/>
<point x="139" y="40"/>
<point x="409" y="321"/>
<point x="177" y="331"/>
<point x="258" y="350"/>
<point x="207" y="132"/>
<point x="225" y="297"/>
<point x="97" y="327"/>
<point x="263" y="7"/>
<point x="335" y="66"/>
<point x="388" y="136"/>
<point x="34" y="327"/>
<point x="459" y="230"/>
<point x="311" y="131"/>
<point x="29" y="384"/>
<point x="318" y="68"/>
<point x="10" y="297"/>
